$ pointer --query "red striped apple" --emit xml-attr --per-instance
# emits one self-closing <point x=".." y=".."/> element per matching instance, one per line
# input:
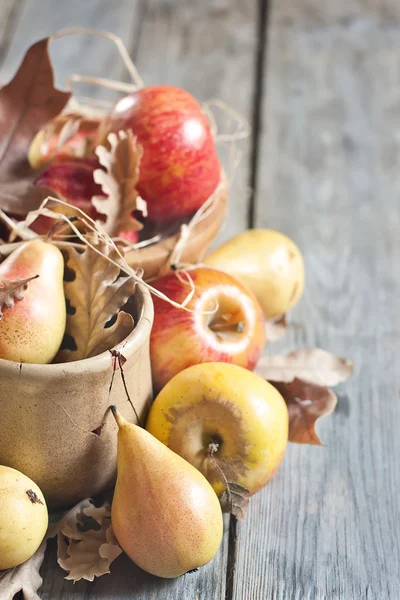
<point x="180" y="168"/>
<point x="225" y="324"/>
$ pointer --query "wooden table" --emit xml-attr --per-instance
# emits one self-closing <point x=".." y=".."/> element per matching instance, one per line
<point x="320" y="83"/>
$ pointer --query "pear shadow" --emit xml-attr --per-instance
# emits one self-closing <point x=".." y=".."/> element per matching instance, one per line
<point x="127" y="580"/>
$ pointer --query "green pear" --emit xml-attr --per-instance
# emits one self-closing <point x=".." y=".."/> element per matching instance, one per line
<point x="32" y="330"/>
<point x="268" y="262"/>
<point x="165" y="514"/>
<point x="23" y="518"/>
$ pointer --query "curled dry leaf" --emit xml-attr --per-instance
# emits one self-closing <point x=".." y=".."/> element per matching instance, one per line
<point x="11" y="290"/>
<point x="118" y="182"/>
<point x="310" y="364"/>
<point x="275" y="329"/>
<point x="96" y="295"/>
<point x="306" y="403"/>
<point x="235" y="499"/>
<point x="27" y="103"/>
<point x="85" y="552"/>
<point x="25" y="578"/>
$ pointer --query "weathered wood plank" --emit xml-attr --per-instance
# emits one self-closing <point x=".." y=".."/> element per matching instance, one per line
<point x="10" y="10"/>
<point x="87" y="55"/>
<point x="325" y="528"/>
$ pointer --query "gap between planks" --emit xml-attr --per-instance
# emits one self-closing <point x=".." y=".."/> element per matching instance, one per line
<point x="258" y="94"/>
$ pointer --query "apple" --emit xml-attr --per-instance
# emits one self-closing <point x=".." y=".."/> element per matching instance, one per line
<point x="73" y="181"/>
<point x="234" y="412"/>
<point x="225" y="323"/>
<point x="180" y="168"/>
<point x="44" y="146"/>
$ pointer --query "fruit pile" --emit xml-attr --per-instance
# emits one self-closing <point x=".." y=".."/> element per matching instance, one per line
<point x="178" y="165"/>
<point x="216" y="432"/>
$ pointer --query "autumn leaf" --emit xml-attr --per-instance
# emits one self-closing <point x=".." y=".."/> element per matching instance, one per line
<point x="96" y="296"/>
<point x="25" y="578"/>
<point x="11" y="290"/>
<point x="118" y="182"/>
<point x="235" y="497"/>
<point x="235" y="500"/>
<point x="86" y="552"/>
<point x="27" y="103"/>
<point x="310" y="364"/>
<point x="306" y="403"/>
<point x="275" y="329"/>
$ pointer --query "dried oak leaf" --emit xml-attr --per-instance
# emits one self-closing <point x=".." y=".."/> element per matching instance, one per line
<point x="25" y="578"/>
<point x="275" y="329"/>
<point x="118" y="181"/>
<point x="97" y="295"/>
<point x="83" y="551"/>
<point x="27" y="103"/>
<point x="310" y="364"/>
<point x="306" y="403"/>
<point x="11" y="290"/>
<point x="235" y="500"/>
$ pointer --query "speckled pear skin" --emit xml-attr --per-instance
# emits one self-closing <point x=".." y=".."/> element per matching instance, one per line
<point x="32" y="330"/>
<point x="165" y="514"/>
<point x="51" y="414"/>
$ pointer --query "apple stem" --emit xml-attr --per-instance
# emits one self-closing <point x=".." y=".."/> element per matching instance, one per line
<point x="212" y="449"/>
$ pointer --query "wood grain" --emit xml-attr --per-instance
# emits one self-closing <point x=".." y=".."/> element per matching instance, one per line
<point x="325" y="528"/>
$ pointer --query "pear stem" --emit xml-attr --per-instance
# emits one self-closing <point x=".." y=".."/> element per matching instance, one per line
<point x="116" y="414"/>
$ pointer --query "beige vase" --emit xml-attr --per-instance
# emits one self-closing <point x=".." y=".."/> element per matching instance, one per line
<point x="55" y="425"/>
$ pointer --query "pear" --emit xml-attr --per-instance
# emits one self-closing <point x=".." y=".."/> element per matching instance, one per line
<point x="32" y="330"/>
<point x="165" y="514"/>
<point x="268" y="262"/>
<point x="23" y="518"/>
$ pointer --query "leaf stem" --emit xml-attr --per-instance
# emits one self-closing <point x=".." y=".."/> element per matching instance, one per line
<point x="126" y="390"/>
<point x="212" y="449"/>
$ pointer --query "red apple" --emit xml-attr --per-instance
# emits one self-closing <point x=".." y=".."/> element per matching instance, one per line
<point x="73" y="181"/>
<point x="234" y="333"/>
<point x="45" y="148"/>
<point x="180" y="168"/>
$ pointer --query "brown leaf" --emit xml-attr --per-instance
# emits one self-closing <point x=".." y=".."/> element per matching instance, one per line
<point x="11" y="290"/>
<point x="310" y="364"/>
<point x="28" y="102"/>
<point x="118" y="182"/>
<point x="25" y="578"/>
<point x="97" y="294"/>
<point x="87" y="553"/>
<point x="235" y="500"/>
<point x="275" y="329"/>
<point x="306" y="403"/>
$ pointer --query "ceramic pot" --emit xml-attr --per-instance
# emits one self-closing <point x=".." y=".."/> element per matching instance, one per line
<point x="55" y="425"/>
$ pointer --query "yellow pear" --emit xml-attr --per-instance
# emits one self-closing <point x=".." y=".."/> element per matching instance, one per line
<point x="23" y="518"/>
<point x="165" y="514"/>
<point x="32" y="330"/>
<point x="269" y="263"/>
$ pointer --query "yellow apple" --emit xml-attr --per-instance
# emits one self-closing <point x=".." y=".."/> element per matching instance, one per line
<point x="23" y="518"/>
<point x="231" y="407"/>
<point x="269" y="263"/>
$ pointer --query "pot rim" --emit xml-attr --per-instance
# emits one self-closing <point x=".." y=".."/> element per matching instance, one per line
<point x="134" y="340"/>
